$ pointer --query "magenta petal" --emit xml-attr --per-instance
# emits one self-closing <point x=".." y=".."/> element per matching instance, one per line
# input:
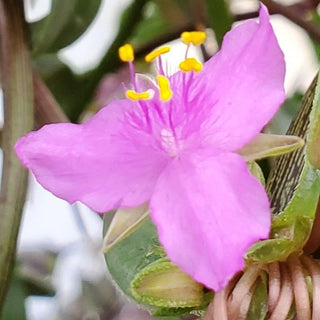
<point x="247" y="76"/>
<point x="208" y="211"/>
<point x="239" y="89"/>
<point x="104" y="163"/>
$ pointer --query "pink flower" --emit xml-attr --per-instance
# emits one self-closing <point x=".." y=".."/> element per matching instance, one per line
<point x="179" y="155"/>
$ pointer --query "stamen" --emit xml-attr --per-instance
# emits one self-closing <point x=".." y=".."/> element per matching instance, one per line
<point x="190" y="64"/>
<point x="126" y="53"/>
<point x="194" y="37"/>
<point x="164" y="88"/>
<point x="135" y="96"/>
<point x="156" y="53"/>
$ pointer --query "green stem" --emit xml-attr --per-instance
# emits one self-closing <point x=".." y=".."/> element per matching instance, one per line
<point x="18" y="108"/>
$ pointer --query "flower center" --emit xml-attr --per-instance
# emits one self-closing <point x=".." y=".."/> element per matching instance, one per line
<point x="160" y="116"/>
<point x="169" y="142"/>
<point x="126" y="54"/>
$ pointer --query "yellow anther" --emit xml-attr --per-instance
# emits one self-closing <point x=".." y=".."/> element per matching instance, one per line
<point x="156" y="53"/>
<point x="126" y="53"/>
<point x="164" y="88"/>
<point x="135" y="96"/>
<point x="194" y="37"/>
<point x="190" y="64"/>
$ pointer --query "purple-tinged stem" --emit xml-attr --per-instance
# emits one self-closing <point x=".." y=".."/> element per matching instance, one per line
<point x="274" y="285"/>
<point x="218" y="308"/>
<point x="314" y="270"/>
<point x="286" y="296"/>
<point x="241" y="290"/>
<point x="245" y="305"/>
<point x="300" y="289"/>
<point x="47" y="110"/>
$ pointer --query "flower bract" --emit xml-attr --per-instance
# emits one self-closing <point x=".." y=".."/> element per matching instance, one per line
<point x="177" y="150"/>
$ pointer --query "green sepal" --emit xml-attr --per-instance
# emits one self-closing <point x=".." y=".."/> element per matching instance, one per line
<point x="256" y="171"/>
<point x="171" y="312"/>
<point x="269" y="250"/>
<point x="270" y="145"/>
<point x="124" y="222"/>
<point x="285" y="241"/>
<point x="164" y="284"/>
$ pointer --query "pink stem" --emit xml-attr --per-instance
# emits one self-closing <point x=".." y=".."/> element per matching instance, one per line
<point x="314" y="270"/>
<point x="220" y="306"/>
<point x="245" y="305"/>
<point x="282" y="308"/>
<point x="241" y="290"/>
<point x="217" y="309"/>
<point x="300" y="289"/>
<point x="274" y="285"/>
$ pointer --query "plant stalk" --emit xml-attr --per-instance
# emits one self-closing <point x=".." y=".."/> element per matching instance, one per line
<point x="17" y="86"/>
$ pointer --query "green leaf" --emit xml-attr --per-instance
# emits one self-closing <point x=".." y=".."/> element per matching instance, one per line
<point x="65" y="23"/>
<point x="129" y="259"/>
<point x="219" y="18"/>
<point x="295" y="190"/>
<point x="129" y="256"/>
<point x="304" y="201"/>
<point x="157" y="21"/>
<point x="83" y="87"/>
<point x="313" y="147"/>
<point x="150" y="27"/>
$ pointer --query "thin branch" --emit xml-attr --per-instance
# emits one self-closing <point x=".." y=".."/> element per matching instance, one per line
<point x="294" y="15"/>
<point x="47" y="109"/>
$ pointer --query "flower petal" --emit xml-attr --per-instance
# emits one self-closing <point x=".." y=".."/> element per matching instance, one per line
<point x="248" y="76"/>
<point x="239" y="89"/>
<point x="108" y="162"/>
<point x="209" y="210"/>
